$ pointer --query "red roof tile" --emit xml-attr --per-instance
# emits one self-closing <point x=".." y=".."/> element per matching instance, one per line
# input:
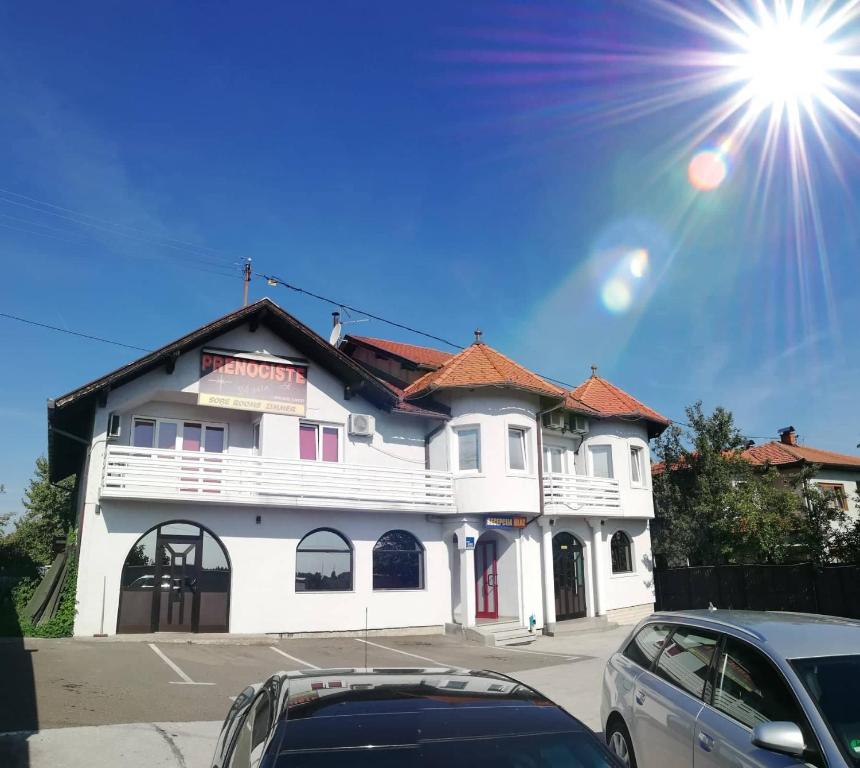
<point x="481" y="366"/>
<point x="779" y="453"/>
<point x="609" y="400"/>
<point x="426" y="356"/>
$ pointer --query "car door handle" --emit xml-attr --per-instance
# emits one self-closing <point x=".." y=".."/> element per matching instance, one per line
<point x="705" y="741"/>
<point x="640" y="696"/>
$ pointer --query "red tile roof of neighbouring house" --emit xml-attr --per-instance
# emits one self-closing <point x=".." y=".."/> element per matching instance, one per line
<point x="778" y="453"/>
<point x="479" y="365"/>
<point x="425" y="356"/>
<point x="608" y="400"/>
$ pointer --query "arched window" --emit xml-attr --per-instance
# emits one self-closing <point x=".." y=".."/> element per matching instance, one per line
<point x="398" y="561"/>
<point x="323" y="562"/>
<point x="622" y="556"/>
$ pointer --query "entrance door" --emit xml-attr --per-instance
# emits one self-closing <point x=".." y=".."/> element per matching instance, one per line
<point x="177" y="579"/>
<point x="569" y="576"/>
<point x="486" y="584"/>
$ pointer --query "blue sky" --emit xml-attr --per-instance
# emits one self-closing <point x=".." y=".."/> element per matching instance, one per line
<point x="447" y="164"/>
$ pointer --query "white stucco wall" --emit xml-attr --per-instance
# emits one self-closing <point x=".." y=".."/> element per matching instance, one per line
<point x="262" y="557"/>
<point x="848" y="480"/>
<point x="494" y="488"/>
<point x="636" y="501"/>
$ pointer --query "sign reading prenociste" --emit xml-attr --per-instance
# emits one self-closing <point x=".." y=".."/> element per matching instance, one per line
<point x="252" y="383"/>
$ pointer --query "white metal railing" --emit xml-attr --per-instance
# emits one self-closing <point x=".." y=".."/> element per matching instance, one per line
<point x="147" y="473"/>
<point x="580" y="492"/>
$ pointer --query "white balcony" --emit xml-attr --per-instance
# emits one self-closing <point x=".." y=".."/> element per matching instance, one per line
<point x="578" y="493"/>
<point x="221" y="478"/>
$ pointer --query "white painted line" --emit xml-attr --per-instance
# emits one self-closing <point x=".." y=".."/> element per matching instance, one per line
<point x="177" y="682"/>
<point x="539" y="653"/>
<point x="305" y="664"/>
<point x="185" y="679"/>
<point x="405" y="653"/>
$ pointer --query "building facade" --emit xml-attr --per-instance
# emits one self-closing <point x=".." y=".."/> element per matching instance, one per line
<point x="251" y="477"/>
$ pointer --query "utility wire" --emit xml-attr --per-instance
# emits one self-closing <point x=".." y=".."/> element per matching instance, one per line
<point x="273" y="280"/>
<point x="73" y="333"/>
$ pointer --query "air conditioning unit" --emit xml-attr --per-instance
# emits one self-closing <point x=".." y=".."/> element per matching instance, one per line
<point x="114" y="428"/>
<point x="578" y="424"/>
<point x="362" y="424"/>
<point x="555" y="420"/>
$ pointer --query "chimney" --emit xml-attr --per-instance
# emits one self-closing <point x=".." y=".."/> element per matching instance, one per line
<point x="787" y="436"/>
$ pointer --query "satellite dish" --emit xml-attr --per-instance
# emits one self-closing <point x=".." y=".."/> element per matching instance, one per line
<point x="334" y="338"/>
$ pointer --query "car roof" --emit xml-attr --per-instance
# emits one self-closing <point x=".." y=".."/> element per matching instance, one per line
<point x="330" y="709"/>
<point x="789" y="635"/>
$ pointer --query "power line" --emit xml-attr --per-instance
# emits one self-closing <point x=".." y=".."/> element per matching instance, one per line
<point x="73" y="333"/>
<point x="273" y="280"/>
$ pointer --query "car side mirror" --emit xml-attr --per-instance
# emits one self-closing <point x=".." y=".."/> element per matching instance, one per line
<point x="779" y="736"/>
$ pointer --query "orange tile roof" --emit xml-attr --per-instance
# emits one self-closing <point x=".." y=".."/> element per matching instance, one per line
<point x="608" y="400"/>
<point x="779" y="453"/>
<point x="413" y="352"/>
<point x="482" y="366"/>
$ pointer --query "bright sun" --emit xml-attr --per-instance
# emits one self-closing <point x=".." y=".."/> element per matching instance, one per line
<point x="786" y="61"/>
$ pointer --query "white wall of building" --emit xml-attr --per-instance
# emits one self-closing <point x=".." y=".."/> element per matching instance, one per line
<point x="848" y="480"/>
<point x="262" y="558"/>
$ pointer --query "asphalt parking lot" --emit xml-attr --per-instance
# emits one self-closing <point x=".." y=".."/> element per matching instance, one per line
<point x="66" y="684"/>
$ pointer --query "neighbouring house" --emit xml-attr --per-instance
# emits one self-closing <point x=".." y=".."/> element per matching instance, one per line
<point x="252" y="477"/>
<point x="837" y="473"/>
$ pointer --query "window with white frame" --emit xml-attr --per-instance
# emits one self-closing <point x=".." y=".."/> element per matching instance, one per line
<point x="517" y="449"/>
<point x="637" y="467"/>
<point x="256" y="431"/>
<point x="600" y="457"/>
<point x="319" y="442"/>
<point x="468" y="440"/>
<point x="554" y="459"/>
<point x="175" y="434"/>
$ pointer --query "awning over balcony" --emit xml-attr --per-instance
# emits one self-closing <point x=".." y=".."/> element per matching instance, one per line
<point x="219" y="478"/>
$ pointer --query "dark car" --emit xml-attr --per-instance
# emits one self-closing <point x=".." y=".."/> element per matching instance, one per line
<point x="402" y="717"/>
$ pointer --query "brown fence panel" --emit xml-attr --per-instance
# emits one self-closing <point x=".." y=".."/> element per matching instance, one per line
<point x="831" y="590"/>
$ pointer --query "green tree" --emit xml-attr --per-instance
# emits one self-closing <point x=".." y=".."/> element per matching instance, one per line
<point x="712" y="505"/>
<point x="49" y="515"/>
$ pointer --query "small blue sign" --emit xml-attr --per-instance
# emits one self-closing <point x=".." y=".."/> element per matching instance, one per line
<point x="470" y="542"/>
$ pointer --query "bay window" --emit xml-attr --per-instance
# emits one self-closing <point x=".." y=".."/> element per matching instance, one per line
<point x="637" y="473"/>
<point x="601" y="460"/>
<point x="468" y="449"/>
<point x="517" y="449"/>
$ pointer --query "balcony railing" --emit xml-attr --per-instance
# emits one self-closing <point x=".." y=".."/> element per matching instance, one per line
<point x="221" y="478"/>
<point x="577" y="492"/>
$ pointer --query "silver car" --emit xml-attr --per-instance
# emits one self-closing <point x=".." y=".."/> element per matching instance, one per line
<point x="735" y="688"/>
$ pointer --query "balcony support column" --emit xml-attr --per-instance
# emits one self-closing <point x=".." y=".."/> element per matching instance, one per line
<point x="598" y="546"/>
<point x="548" y="574"/>
<point x="465" y="533"/>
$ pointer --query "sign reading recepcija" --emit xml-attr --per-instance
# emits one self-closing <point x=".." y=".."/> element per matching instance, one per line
<point x="505" y="521"/>
<point x="252" y="382"/>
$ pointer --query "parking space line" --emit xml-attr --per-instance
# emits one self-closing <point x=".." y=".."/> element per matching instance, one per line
<point x="405" y="653"/>
<point x="538" y="653"/>
<point x="305" y="664"/>
<point x="185" y="679"/>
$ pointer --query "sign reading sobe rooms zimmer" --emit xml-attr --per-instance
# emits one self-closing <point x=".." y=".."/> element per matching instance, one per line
<point x="251" y="382"/>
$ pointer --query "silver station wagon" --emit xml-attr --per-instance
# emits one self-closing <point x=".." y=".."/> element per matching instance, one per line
<point x="735" y="688"/>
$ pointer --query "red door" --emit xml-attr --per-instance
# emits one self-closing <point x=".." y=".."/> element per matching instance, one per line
<point x="486" y="583"/>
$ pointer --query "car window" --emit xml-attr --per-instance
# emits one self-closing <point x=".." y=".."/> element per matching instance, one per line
<point x="686" y="659"/>
<point x="749" y="689"/>
<point x="647" y="644"/>
<point x="252" y="733"/>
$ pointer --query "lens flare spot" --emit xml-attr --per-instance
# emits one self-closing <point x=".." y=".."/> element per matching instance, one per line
<point x="638" y="262"/>
<point x="616" y="295"/>
<point x="707" y="170"/>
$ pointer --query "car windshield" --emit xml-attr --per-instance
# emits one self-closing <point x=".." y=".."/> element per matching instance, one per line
<point x="533" y="750"/>
<point x="833" y="682"/>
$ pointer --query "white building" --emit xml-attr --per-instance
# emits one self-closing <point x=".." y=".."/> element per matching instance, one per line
<point x="250" y="477"/>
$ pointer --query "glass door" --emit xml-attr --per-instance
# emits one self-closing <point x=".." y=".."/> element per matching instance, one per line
<point x="486" y="582"/>
<point x="569" y="577"/>
<point x="177" y="581"/>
